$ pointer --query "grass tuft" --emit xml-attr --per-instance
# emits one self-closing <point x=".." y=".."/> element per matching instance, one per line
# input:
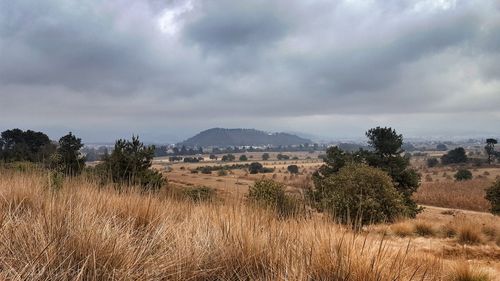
<point x="465" y="272"/>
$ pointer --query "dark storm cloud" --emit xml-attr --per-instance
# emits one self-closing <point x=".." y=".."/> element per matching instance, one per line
<point x="227" y="25"/>
<point x="178" y="63"/>
<point x="86" y="49"/>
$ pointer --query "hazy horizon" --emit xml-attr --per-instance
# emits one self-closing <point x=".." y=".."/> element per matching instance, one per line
<point x="166" y="70"/>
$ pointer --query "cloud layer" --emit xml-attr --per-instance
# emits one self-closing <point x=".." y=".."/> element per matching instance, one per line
<point x="166" y="69"/>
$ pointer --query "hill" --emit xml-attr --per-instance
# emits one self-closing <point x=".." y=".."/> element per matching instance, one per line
<point x="242" y="137"/>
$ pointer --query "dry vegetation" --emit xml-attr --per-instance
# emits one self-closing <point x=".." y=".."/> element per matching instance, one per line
<point x="83" y="232"/>
<point x="468" y="195"/>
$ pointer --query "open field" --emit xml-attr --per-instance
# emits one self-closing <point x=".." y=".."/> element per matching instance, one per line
<point x="236" y="182"/>
<point x="468" y="195"/>
<point x="438" y="186"/>
<point x="83" y="232"/>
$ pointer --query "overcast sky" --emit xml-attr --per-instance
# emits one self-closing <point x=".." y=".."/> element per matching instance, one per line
<point x="167" y="69"/>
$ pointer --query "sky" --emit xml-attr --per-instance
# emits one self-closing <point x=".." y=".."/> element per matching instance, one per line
<point x="168" y="69"/>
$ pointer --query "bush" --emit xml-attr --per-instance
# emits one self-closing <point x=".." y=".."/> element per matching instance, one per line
<point x="493" y="196"/>
<point x="243" y="158"/>
<point x="228" y="158"/>
<point x="441" y="147"/>
<point x="432" y="162"/>
<point x="361" y="194"/>
<point x="23" y="166"/>
<point x="191" y="160"/>
<point x="282" y="157"/>
<point x="174" y="158"/>
<point x="219" y="167"/>
<point x="55" y="180"/>
<point x="222" y="172"/>
<point x="386" y="155"/>
<point x="463" y="175"/>
<point x="293" y="169"/>
<point x="130" y="163"/>
<point x="454" y="156"/>
<point x="206" y="170"/>
<point x="256" y="168"/>
<point x="199" y="194"/>
<point x="271" y="194"/>
<point x="265" y="156"/>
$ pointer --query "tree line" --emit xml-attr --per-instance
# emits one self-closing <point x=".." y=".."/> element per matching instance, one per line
<point x="129" y="162"/>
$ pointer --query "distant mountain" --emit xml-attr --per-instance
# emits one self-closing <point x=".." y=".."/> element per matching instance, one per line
<point x="242" y="137"/>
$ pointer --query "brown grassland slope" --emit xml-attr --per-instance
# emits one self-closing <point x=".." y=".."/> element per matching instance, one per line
<point x="85" y="232"/>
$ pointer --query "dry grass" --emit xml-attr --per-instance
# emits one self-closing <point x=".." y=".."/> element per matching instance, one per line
<point x="424" y="228"/>
<point x="469" y="235"/>
<point x="468" y="195"/>
<point x="465" y="272"/>
<point x="83" y="232"/>
<point x="402" y="229"/>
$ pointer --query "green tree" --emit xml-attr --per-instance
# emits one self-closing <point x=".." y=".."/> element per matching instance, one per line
<point x="282" y="157"/>
<point x="293" y="169"/>
<point x="385" y="155"/>
<point x="362" y="194"/>
<point x="243" y="158"/>
<point x="432" y="162"/>
<point x="72" y="160"/>
<point x="228" y="158"/>
<point x="255" y="168"/>
<point x="490" y="149"/>
<point x="441" y="147"/>
<point x="463" y="175"/>
<point x="334" y="160"/>
<point x="19" y="145"/>
<point x="130" y="164"/>
<point x="493" y="196"/>
<point x="454" y="156"/>
<point x="385" y="141"/>
<point x="265" y="156"/>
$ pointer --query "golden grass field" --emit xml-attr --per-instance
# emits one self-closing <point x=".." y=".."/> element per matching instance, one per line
<point x="83" y="232"/>
<point x="86" y="232"/>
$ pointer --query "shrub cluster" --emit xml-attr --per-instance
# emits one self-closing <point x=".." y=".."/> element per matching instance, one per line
<point x="192" y="159"/>
<point x="199" y="194"/>
<point x="361" y="194"/>
<point x="223" y="167"/>
<point x="463" y="175"/>
<point x="271" y="194"/>
<point x="385" y="154"/>
<point x="455" y="156"/>
<point x="293" y="169"/>
<point x="432" y="162"/>
<point x="282" y="157"/>
<point x="256" y="168"/>
<point x="228" y="158"/>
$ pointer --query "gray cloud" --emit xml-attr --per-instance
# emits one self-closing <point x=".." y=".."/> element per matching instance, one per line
<point x="223" y="26"/>
<point x="73" y="64"/>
